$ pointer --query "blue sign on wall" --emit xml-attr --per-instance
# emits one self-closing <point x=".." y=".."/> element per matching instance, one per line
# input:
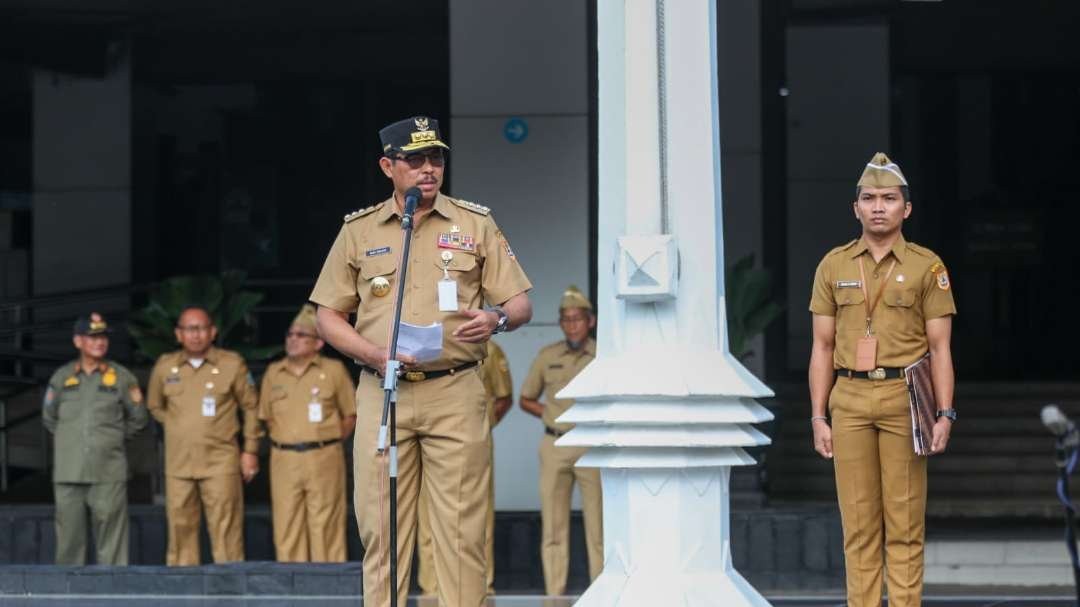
<point x="516" y="130"/>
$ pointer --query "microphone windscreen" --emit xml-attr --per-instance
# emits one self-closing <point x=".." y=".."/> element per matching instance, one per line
<point x="412" y="197"/>
<point x="1054" y="419"/>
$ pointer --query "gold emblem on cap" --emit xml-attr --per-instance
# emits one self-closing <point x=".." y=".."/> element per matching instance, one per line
<point x="380" y="286"/>
<point x="421" y="123"/>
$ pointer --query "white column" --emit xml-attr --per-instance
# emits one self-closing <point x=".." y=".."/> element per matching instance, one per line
<point x="665" y="407"/>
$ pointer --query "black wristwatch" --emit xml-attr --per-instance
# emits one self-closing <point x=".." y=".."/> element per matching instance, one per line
<point x="949" y="413"/>
<point x="503" y="323"/>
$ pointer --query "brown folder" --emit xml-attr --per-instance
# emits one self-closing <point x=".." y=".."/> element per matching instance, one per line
<point x="920" y="385"/>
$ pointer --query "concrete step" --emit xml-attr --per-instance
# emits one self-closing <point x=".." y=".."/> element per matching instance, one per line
<point x="998" y="563"/>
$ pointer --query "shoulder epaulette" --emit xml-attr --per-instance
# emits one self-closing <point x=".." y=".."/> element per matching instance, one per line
<point x="471" y="206"/>
<point x="921" y="250"/>
<point x="362" y="212"/>
<point x="842" y="248"/>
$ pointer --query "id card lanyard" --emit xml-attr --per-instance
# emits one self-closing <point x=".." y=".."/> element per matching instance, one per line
<point x="866" y="294"/>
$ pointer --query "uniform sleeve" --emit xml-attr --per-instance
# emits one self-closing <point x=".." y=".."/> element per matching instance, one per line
<point x="264" y="395"/>
<point x="502" y="276"/>
<point x="244" y="391"/>
<point x="346" y="392"/>
<point x="822" y="301"/>
<point x="135" y="414"/>
<point x="336" y="285"/>
<point x="155" y="397"/>
<point x="937" y="292"/>
<point x="534" y="382"/>
<point x="50" y="406"/>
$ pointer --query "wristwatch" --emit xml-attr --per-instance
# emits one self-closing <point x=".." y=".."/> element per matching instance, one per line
<point x="949" y="413"/>
<point x="503" y="322"/>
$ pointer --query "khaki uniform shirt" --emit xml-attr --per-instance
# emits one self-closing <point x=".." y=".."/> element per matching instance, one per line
<point x="285" y="401"/>
<point x="90" y="415"/>
<point x="495" y="373"/>
<point x="198" y="445"/>
<point x="917" y="290"/>
<point x="367" y="248"/>
<point x="553" y="368"/>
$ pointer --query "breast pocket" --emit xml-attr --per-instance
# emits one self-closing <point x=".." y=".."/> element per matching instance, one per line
<point x="375" y="281"/>
<point x="173" y="390"/>
<point x="900" y="303"/>
<point x="464" y="269"/>
<point x="850" y="309"/>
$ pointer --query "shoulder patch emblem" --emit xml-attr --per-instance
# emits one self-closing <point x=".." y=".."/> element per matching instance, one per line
<point x="471" y="206"/>
<point x="941" y="276"/>
<point x="361" y="212"/>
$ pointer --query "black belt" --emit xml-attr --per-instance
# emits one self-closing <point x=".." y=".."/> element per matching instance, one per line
<point x="305" y="446"/>
<point x="415" y="376"/>
<point x="877" y="374"/>
<point x="553" y="431"/>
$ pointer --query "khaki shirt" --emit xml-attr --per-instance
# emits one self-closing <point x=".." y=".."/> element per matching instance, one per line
<point x="285" y="401"/>
<point x="90" y="415"/>
<point x="198" y="445"/>
<point x="553" y="368"/>
<point x="918" y="290"/>
<point x="495" y="373"/>
<point x="367" y="248"/>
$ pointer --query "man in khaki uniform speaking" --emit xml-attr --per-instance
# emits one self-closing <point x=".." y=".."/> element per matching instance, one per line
<point x="553" y="368"/>
<point x="458" y="260"/>
<point x="859" y="399"/>
<point x="92" y="405"/>
<point x="196" y="394"/>
<point x="499" y="386"/>
<point x="307" y="403"/>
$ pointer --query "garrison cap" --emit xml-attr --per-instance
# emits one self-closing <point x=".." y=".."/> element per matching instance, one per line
<point x="573" y="298"/>
<point x="881" y="172"/>
<point x="91" y="324"/>
<point x="306" y="318"/>
<point x="411" y="135"/>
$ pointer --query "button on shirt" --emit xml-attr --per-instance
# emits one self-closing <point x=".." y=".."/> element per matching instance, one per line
<point x="917" y="290"/>
<point x="285" y="400"/>
<point x="197" y="445"/>
<point x="367" y="249"/>
<point x="553" y="368"/>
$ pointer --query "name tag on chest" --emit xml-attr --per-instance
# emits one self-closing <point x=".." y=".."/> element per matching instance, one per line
<point x="849" y="284"/>
<point x="314" y="412"/>
<point x="209" y="406"/>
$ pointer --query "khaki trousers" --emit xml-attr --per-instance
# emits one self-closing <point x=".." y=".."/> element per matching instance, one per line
<point x="444" y="435"/>
<point x="223" y="499"/>
<point x="557" y="477"/>
<point x="307" y="490"/>
<point x="107" y="503"/>
<point x="881" y="486"/>
<point x="425" y="561"/>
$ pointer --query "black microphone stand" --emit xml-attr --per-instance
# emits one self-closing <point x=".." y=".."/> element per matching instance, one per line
<point x="1065" y="446"/>
<point x="388" y="425"/>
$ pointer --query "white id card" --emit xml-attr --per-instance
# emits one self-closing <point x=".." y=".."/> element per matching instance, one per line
<point x="314" y="412"/>
<point x="209" y="406"/>
<point x="447" y="296"/>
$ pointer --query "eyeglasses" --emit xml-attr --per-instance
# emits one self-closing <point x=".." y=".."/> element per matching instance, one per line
<point x="299" y="334"/>
<point x="194" y="329"/>
<point x="416" y="161"/>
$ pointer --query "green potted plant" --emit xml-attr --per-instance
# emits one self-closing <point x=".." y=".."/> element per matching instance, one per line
<point x="749" y="309"/>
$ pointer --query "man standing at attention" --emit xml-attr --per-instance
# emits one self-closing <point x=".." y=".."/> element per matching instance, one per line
<point x="196" y="393"/>
<point x="307" y="402"/>
<point x="553" y="368"/>
<point x="459" y="259"/>
<point x="92" y="405"/>
<point x="859" y="399"/>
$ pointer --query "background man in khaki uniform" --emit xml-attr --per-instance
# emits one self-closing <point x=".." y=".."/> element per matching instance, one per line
<point x="92" y="405"/>
<point x="553" y="368"/>
<point x="307" y="403"/>
<point x="499" y="386"/>
<point x="880" y="482"/>
<point x="196" y="394"/>
<point x="442" y="422"/>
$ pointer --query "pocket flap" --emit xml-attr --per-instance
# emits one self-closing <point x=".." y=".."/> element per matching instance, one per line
<point x="380" y="266"/>
<point x="849" y="297"/>
<point x="899" y="299"/>
<point x="462" y="262"/>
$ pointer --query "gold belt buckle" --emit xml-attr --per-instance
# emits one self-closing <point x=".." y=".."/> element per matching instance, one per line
<point x="415" y="376"/>
<point x="878" y="373"/>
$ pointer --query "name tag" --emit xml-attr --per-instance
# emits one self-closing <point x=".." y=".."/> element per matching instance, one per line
<point x="448" y="296"/>
<point x="314" y="412"/>
<point x="849" y="284"/>
<point x="376" y="252"/>
<point x="209" y="406"/>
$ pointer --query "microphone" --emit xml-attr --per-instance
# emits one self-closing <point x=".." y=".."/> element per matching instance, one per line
<point x="1060" y="425"/>
<point x="412" y="197"/>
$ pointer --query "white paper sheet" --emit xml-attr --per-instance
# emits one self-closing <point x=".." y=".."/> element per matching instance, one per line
<point x="422" y="343"/>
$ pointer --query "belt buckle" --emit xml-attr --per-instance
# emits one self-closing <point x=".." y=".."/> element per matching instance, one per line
<point x="878" y="373"/>
<point x="415" y="376"/>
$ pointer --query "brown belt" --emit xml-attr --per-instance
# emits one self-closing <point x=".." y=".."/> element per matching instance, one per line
<point x="552" y="431"/>
<point x="877" y="374"/>
<point x="414" y="376"/>
<point x="305" y="446"/>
